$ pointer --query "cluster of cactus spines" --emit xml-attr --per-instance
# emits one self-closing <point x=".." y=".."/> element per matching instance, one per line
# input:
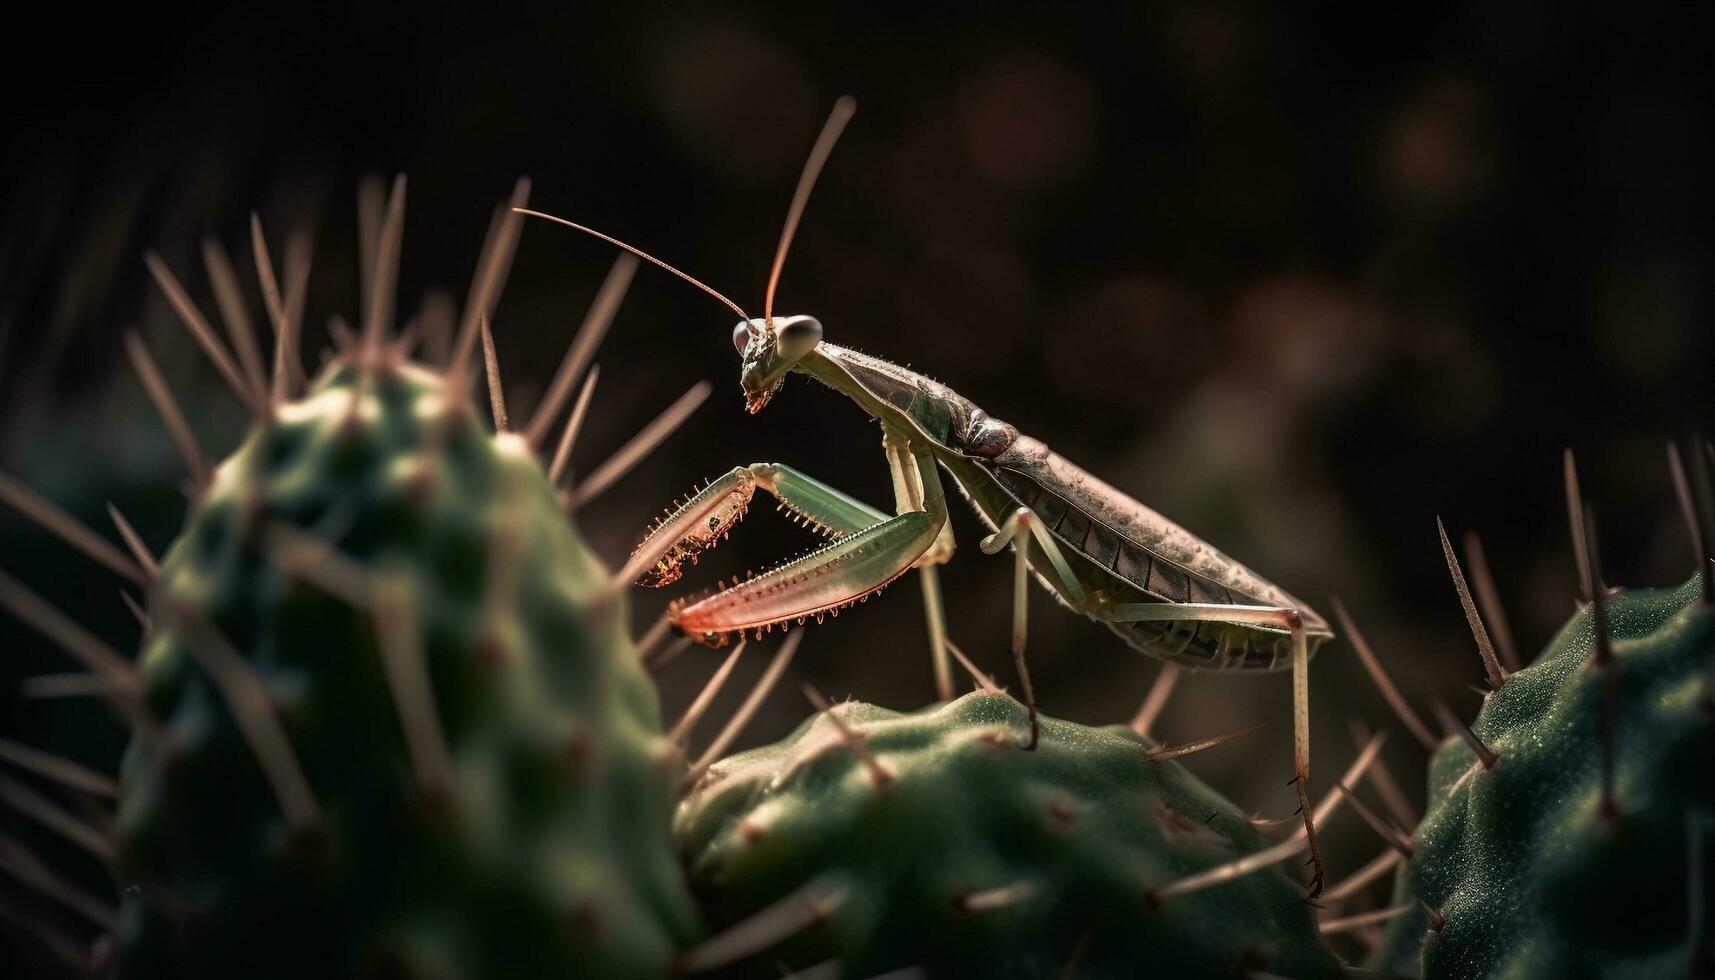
<point x="1565" y="824"/>
<point x="881" y="841"/>
<point x="387" y="718"/>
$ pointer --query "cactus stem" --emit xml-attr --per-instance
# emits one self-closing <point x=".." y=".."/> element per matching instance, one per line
<point x="700" y="705"/>
<point x="30" y="869"/>
<point x="1390" y="835"/>
<point x="879" y="775"/>
<point x="408" y="680"/>
<point x="1362" y="919"/>
<point x="639" y="446"/>
<point x="98" y="841"/>
<point x="563" y="453"/>
<point x="1379" y="865"/>
<point x="68" y="528"/>
<point x="1373" y="666"/>
<point x="491" y="366"/>
<point x="583" y="347"/>
<point x="1188" y="748"/>
<point x="204" y="335"/>
<point x="1489" y="601"/>
<point x="1294" y="845"/>
<point x="753" y="701"/>
<point x="60" y="770"/>
<point x="492" y="266"/>
<point x="984" y="681"/>
<point x="809" y="906"/>
<point x="1454" y="726"/>
<point x="1491" y="666"/>
<point x="990" y="899"/>
<point x="252" y="709"/>
<point x="196" y="464"/>
<point x="1159" y="691"/>
<point x="134" y="542"/>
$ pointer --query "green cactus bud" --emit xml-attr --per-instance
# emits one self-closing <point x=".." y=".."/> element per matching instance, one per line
<point x="1540" y="865"/>
<point x="400" y="724"/>
<point x="932" y="839"/>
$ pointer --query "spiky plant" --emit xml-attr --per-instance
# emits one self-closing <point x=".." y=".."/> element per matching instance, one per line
<point x="1563" y="830"/>
<point x="880" y="841"/>
<point x="387" y="718"/>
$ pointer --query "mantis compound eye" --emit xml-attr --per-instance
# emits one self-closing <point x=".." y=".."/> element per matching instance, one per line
<point x="741" y="335"/>
<point x="798" y="335"/>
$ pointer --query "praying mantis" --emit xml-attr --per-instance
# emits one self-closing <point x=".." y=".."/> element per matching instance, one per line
<point x="1161" y="589"/>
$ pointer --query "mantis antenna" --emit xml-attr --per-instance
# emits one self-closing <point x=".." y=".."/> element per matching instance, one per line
<point x="640" y="254"/>
<point x="830" y="135"/>
<point x="831" y="130"/>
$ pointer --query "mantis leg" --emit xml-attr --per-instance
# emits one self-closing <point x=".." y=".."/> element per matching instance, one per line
<point x="705" y="519"/>
<point x="1280" y="618"/>
<point x="853" y="567"/>
<point x="908" y="492"/>
<point x="935" y="613"/>
<point x="1020" y="529"/>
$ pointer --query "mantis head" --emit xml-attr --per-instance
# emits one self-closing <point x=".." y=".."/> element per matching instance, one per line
<point x="770" y="351"/>
<point x="771" y="346"/>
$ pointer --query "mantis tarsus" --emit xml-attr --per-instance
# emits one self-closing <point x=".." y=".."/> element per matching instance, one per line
<point x="1161" y="589"/>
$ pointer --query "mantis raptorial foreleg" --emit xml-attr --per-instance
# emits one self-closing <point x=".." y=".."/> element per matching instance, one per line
<point x="869" y="551"/>
<point x="1290" y="620"/>
<point x="709" y="515"/>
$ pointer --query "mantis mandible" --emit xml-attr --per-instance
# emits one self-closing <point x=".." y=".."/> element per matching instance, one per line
<point x="1164" y="591"/>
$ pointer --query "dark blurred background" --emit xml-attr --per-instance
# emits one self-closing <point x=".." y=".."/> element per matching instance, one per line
<point x="1300" y="279"/>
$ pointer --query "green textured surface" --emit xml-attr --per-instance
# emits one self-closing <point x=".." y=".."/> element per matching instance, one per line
<point x="1084" y="823"/>
<point x="1532" y="880"/>
<point x="552" y="857"/>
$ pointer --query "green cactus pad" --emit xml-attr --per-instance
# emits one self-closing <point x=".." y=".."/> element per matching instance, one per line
<point x="1528" y="874"/>
<point x="545" y="852"/>
<point x="1056" y="849"/>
